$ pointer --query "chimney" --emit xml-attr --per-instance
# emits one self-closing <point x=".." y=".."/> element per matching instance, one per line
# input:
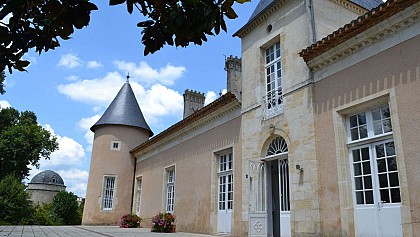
<point x="193" y="101"/>
<point x="233" y="67"/>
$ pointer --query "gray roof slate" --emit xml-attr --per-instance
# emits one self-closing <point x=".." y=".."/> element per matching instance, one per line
<point x="261" y="6"/>
<point x="367" y="4"/>
<point x="123" y="110"/>
<point x="264" y="4"/>
<point x="47" y="177"/>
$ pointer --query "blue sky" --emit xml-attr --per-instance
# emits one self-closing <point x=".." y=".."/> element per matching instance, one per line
<point x="70" y="87"/>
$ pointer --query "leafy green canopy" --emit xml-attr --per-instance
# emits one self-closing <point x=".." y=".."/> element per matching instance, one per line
<point x="23" y="142"/>
<point x="14" y="205"/>
<point x="65" y="207"/>
<point x="40" y="23"/>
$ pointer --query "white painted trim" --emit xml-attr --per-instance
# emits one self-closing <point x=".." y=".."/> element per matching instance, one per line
<point x="114" y="197"/>
<point x="165" y="187"/>
<point x="112" y="148"/>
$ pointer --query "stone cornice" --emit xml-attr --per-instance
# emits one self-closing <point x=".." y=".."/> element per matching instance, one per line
<point x="253" y="23"/>
<point x="374" y="32"/>
<point x="221" y="108"/>
<point x="350" y="6"/>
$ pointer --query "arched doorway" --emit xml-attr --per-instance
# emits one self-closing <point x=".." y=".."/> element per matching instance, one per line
<point x="278" y="187"/>
<point x="269" y="192"/>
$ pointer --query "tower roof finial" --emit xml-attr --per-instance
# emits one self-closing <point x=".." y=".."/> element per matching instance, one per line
<point x="128" y="76"/>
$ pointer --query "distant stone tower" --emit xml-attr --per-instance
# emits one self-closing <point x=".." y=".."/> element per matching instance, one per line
<point x="121" y="128"/>
<point x="44" y="186"/>
<point x="193" y="101"/>
<point x="233" y="67"/>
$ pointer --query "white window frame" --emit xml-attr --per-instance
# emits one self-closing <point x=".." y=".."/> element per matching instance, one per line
<point x="115" y="146"/>
<point x="170" y="189"/>
<point x="369" y="126"/>
<point x="224" y="171"/>
<point x="108" y="192"/>
<point x="370" y="141"/>
<point x="273" y="81"/>
<point x="138" y="194"/>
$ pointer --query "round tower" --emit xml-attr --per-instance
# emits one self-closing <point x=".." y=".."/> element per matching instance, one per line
<point x="121" y="128"/>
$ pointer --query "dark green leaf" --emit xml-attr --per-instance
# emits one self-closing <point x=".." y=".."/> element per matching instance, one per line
<point x="115" y="2"/>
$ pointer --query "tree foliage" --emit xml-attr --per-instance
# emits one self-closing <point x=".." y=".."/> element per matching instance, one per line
<point x="40" y="23"/>
<point x="14" y="205"/>
<point x="23" y="142"/>
<point x="2" y="78"/>
<point x="65" y="207"/>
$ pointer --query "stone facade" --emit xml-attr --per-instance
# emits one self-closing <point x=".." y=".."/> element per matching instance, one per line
<point x="290" y="25"/>
<point x="383" y="73"/>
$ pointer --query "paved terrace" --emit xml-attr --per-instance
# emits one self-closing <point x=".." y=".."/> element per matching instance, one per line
<point x="91" y="231"/>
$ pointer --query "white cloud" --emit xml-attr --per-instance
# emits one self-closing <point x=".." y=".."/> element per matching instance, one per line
<point x="98" y="91"/>
<point x="154" y="105"/>
<point x="4" y="104"/>
<point x="70" y="61"/>
<point x="144" y="73"/>
<point x="94" y="64"/>
<point x="155" y="102"/>
<point x="85" y="124"/>
<point x="66" y="162"/>
<point x="212" y="96"/>
<point x="75" y="180"/>
<point x="72" y="78"/>
<point x="70" y="152"/>
<point x="96" y="109"/>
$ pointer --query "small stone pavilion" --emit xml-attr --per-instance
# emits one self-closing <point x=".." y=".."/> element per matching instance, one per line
<point x="44" y="186"/>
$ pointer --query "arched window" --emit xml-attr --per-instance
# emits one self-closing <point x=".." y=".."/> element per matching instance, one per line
<point x="277" y="146"/>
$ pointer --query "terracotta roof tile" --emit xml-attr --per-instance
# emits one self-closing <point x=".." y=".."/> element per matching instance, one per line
<point x="355" y="27"/>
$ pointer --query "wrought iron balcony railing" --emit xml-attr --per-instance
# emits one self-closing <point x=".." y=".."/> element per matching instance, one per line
<point x="273" y="103"/>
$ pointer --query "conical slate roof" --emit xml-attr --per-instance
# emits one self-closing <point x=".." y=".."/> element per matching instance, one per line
<point x="123" y="110"/>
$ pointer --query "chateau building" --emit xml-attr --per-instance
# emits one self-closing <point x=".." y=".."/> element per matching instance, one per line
<point x="316" y="136"/>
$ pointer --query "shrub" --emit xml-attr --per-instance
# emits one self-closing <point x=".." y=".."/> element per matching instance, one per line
<point x="129" y="221"/>
<point x="163" y="222"/>
<point x="44" y="215"/>
<point x="14" y="205"/>
<point x="65" y="206"/>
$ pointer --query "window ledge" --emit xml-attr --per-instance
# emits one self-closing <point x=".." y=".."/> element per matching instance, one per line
<point x="369" y="140"/>
<point x="272" y="112"/>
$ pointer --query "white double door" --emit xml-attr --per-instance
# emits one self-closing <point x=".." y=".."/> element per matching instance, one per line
<point x="269" y="198"/>
<point x="376" y="190"/>
<point x="225" y="203"/>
